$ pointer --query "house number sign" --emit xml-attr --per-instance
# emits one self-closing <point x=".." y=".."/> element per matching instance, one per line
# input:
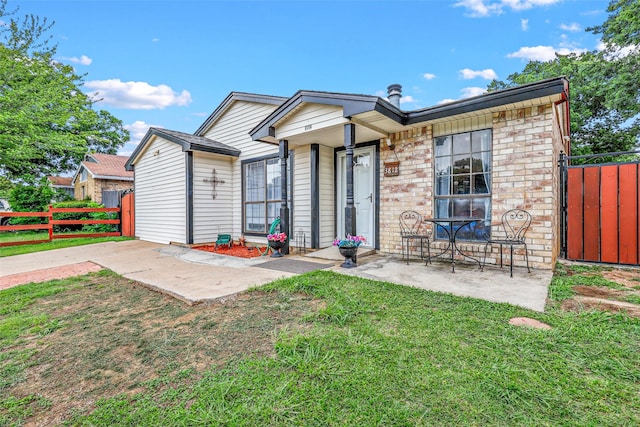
<point x="391" y="168"/>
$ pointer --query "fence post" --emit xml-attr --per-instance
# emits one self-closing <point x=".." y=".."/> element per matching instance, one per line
<point x="50" y="221"/>
<point x="562" y="164"/>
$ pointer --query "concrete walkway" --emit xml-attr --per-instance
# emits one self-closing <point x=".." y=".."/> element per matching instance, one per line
<point x="198" y="277"/>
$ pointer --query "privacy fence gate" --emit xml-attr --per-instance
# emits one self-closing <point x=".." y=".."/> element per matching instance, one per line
<point x="599" y="208"/>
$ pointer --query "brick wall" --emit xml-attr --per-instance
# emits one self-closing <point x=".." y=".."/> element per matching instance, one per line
<point x="93" y="187"/>
<point x="525" y="175"/>
<point x="111" y="184"/>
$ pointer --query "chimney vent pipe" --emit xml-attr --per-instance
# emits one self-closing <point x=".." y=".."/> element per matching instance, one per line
<point x="394" y="93"/>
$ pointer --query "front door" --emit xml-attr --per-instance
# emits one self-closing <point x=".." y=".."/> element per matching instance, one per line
<point x="364" y="196"/>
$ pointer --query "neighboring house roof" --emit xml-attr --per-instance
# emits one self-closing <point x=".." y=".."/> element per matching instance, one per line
<point x="105" y="166"/>
<point x="230" y="99"/>
<point x="187" y="141"/>
<point x="60" y="181"/>
<point x="354" y="105"/>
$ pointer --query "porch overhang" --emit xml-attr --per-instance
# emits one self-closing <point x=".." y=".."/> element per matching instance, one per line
<point x="319" y="117"/>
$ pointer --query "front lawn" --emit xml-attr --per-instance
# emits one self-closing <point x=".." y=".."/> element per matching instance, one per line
<point x="316" y="349"/>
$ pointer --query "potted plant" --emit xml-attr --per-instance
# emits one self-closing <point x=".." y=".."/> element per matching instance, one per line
<point x="276" y="242"/>
<point x="348" y="248"/>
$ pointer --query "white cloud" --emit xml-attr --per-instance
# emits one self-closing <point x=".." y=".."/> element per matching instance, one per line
<point x="137" y="95"/>
<point x="468" y="92"/>
<point x="137" y="131"/>
<point x="445" y="101"/>
<point x="405" y="99"/>
<point x="573" y="27"/>
<point x="429" y="76"/>
<point x="543" y="53"/>
<point x="155" y="40"/>
<point x="481" y="8"/>
<point x="616" y="52"/>
<point x="83" y="60"/>
<point x="524" y="24"/>
<point x="487" y="74"/>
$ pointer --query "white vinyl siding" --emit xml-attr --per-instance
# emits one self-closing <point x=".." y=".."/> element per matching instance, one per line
<point x="232" y="128"/>
<point x="212" y="216"/>
<point x="311" y="117"/>
<point x="302" y="192"/>
<point x="160" y="199"/>
<point x="327" y="197"/>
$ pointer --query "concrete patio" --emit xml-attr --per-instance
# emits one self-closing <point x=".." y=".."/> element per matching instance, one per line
<point x="196" y="276"/>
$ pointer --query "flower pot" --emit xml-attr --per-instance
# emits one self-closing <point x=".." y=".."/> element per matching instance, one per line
<point x="276" y="245"/>
<point x="350" y="256"/>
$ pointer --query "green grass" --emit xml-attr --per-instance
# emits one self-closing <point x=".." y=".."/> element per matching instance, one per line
<point x="54" y="244"/>
<point x="367" y="353"/>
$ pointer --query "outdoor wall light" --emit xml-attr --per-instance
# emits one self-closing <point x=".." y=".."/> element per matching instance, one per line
<point x="390" y="145"/>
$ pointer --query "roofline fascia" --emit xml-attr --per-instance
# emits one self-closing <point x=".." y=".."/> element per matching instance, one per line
<point x="143" y="142"/>
<point x="539" y="89"/>
<point x="113" y="177"/>
<point x="237" y="96"/>
<point x="186" y="146"/>
<point x="351" y="104"/>
<point x="214" y="150"/>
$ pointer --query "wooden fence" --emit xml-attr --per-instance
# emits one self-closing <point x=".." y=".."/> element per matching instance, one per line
<point x="51" y="222"/>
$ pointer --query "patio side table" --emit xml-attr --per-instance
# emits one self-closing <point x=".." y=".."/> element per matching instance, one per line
<point x="452" y="246"/>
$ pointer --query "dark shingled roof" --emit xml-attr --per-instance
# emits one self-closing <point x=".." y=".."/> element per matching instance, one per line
<point x="187" y="141"/>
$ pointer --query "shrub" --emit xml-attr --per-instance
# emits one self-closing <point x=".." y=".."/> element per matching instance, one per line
<point x="88" y="228"/>
<point x="30" y="196"/>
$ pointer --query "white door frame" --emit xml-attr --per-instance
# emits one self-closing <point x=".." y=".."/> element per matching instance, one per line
<point x="364" y="181"/>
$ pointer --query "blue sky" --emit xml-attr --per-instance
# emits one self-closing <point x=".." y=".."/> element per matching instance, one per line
<point x="170" y="63"/>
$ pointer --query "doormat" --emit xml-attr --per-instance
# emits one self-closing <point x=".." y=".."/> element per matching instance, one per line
<point x="292" y="265"/>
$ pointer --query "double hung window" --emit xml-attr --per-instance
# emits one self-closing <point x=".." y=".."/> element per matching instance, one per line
<point x="262" y="193"/>
<point x="463" y="179"/>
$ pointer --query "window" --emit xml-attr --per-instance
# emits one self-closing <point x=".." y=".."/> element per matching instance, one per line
<point x="83" y="175"/>
<point x="262" y="194"/>
<point x="463" y="179"/>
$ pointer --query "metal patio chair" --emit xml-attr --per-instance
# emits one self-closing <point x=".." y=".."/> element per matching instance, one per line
<point x="412" y="229"/>
<point x="512" y="231"/>
<point x="224" y="240"/>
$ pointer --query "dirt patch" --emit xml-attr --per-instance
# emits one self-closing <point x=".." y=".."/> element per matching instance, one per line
<point x="114" y="335"/>
<point x="235" y="250"/>
<point x="621" y="298"/>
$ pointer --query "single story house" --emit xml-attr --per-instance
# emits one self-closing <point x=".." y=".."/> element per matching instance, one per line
<point x="99" y="173"/>
<point x="330" y="164"/>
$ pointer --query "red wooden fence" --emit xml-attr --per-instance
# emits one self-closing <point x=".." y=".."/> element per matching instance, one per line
<point x="128" y="215"/>
<point x="51" y="222"/>
<point x="603" y="222"/>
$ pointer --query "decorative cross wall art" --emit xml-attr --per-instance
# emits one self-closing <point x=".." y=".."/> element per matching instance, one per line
<point x="214" y="181"/>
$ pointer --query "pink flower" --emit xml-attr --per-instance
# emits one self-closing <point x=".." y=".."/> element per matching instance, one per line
<point x="349" y="241"/>
<point x="278" y="237"/>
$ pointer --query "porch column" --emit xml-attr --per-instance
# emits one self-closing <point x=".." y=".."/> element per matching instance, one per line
<point x="284" y="208"/>
<point x="350" y="209"/>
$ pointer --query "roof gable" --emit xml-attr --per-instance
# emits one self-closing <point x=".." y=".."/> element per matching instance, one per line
<point x="351" y="104"/>
<point x="229" y="100"/>
<point x="105" y="166"/>
<point x="187" y="141"/>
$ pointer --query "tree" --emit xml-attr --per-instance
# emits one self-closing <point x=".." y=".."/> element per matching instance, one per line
<point x="47" y="123"/>
<point x="604" y="85"/>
